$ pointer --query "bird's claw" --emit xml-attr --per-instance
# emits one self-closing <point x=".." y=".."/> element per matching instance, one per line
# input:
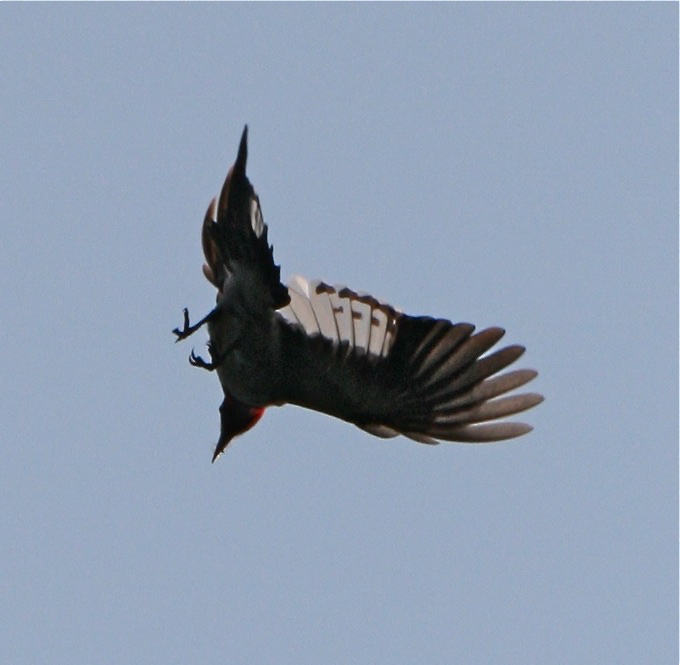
<point x="197" y="361"/>
<point x="186" y="329"/>
<point x="215" y="359"/>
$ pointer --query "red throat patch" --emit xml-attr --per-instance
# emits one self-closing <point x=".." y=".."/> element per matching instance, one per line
<point x="236" y="418"/>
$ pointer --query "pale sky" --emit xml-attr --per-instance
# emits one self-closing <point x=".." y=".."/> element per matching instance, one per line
<point x="503" y="164"/>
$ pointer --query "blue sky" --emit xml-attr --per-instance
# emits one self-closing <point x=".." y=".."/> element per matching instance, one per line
<point x="504" y="164"/>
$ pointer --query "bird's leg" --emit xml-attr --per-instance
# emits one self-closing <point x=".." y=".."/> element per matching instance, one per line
<point x="215" y="359"/>
<point x="197" y="361"/>
<point x="189" y="329"/>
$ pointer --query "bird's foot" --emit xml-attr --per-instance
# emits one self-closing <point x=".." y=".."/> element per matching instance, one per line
<point x="188" y="329"/>
<point x="215" y="359"/>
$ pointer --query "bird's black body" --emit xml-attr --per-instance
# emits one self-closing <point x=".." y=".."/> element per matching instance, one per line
<point x="345" y="354"/>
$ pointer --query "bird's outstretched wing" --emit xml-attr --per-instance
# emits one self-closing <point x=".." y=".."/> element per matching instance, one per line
<point x="354" y="357"/>
<point x="234" y="235"/>
<point x="343" y="353"/>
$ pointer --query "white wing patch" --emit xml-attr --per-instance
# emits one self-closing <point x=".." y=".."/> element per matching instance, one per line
<point x="256" y="221"/>
<point x="341" y="315"/>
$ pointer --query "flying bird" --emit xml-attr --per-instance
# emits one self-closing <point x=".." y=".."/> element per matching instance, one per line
<point x="340" y="352"/>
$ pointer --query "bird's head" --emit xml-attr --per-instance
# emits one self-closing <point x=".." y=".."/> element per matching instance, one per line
<point x="235" y="418"/>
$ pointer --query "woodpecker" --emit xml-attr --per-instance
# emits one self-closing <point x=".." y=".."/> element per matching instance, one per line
<point x="343" y="353"/>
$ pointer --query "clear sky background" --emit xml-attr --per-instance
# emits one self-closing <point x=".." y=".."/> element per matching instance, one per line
<point x="510" y="164"/>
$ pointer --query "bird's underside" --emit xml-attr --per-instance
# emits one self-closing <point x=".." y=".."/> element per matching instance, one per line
<point x="339" y="352"/>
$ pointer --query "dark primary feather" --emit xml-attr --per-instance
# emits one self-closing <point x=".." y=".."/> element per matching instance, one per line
<point x="234" y="231"/>
<point x="427" y="378"/>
